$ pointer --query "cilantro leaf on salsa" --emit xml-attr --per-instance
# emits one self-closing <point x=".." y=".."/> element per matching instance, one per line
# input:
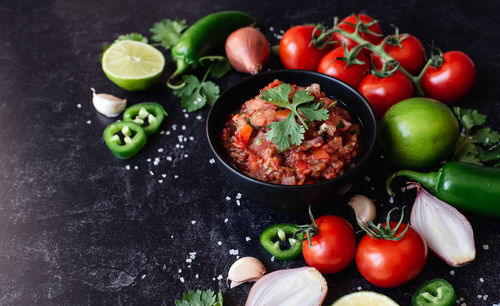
<point x="289" y="132"/>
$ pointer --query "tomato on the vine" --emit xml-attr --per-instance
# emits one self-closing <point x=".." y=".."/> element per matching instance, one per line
<point x="410" y="54"/>
<point x="297" y="51"/>
<point x="388" y="263"/>
<point x="345" y="25"/>
<point x="450" y="81"/>
<point x="334" y="64"/>
<point x="332" y="246"/>
<point x="382" y="93"/>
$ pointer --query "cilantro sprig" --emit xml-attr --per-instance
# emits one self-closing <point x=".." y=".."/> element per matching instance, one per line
<point x="291" y="131"/>
<point x="477" y="144"/>
<point x="200" y="298"/>
<point x="168" y="32"/>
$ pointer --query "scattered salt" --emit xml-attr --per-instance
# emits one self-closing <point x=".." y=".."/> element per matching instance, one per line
<point x="160" y="150"/>
<point x="167" y="133"/>
<point x="183" y="127"/>
<point x="148" y="160"/>
<point x="162" y="132"/>
<point x="160" y="181"/>
<point x="391" y="200"/>
<point x="89" y="122"/>
<point x="191" y="138"/>
<point x="486" y="247"/>
<point x="180" y="270"/>
<point x="359" y="288"/>
<point x="238" y="196"/>
<point x="143" y="276"/>
<point x="186" y="156"/>
<point x="219" y="277"/>
<point x="193" y="222"/>
<point x="164" y="175"/>
<point x="136" y="167"/>
<point x="228" y="198"/>
<point x="211" y="160"/>
<point x="233" y="252"/>
<point x="198" y="117"/>
<point x="181" y="279"/>
<point x="452" y="272"/>
<point x="127" y="167"/>
<point x="196" y="276"/>
<point x="169" y="158"/>
<point x="176" y="176"/>
<point x="225" y="220"/>
<point x="174" y="127"/>
<point x="481" y="280"/>
<point x="79" y="105"/>
<point x="367" y="178"/>
<point x="219" y="242"/>
<point x="238" y="202"/>
<point x="180" y="138"/>
<point x="151" y="172"/>
<point x="186" y="115"/>
<point x="188" y="260"/>
<point x="248" y="238"/>
<point x="272" y="258"/>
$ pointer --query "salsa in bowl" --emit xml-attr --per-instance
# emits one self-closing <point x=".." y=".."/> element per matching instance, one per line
<point x="288" y="156"/>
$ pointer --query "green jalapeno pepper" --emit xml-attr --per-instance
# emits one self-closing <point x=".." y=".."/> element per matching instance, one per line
<point x="467" y="186"/>
<point x="273" y="235"/>
<point x="437" y="292"/>
<point x="149" y="115"/>
<point x="204" y="37"/>
<point x="129" y="143"/>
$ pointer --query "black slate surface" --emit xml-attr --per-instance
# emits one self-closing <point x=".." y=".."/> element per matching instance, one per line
<point x="80" y="227"/>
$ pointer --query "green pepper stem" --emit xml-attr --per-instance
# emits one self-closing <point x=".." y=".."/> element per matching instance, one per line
<point x="429" y="180"/>
<point x="182" y="67"/>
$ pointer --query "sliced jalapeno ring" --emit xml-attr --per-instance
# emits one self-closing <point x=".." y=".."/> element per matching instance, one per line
<point x="277" y="234"/>
<point x="129" y="143"/>
<point x="437" y="292"/>
<point x="148" y="114"/>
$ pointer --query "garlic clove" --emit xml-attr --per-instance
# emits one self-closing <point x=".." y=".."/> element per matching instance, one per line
<point x="364" y="209"/>
<point x="108" y="105"/>
<point x="245" y="269"/>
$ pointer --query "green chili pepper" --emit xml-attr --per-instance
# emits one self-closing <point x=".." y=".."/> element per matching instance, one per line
<point x="205" y="36"/>
<point x="437" y="292"/>
<point x="129" y="143"/>
<point x="149" y="115"/>
<point x="273" y="235"/>
<point x="467" y="186"/>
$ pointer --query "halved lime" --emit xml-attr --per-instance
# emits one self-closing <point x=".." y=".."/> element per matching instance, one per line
<point x="133" y="65"/>
<point x="365" y="298"/>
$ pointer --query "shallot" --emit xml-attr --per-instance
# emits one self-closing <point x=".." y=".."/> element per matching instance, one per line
<point x="445" y="230"/>
<point x="248" y="50"/>
<point x="303" y="286"/>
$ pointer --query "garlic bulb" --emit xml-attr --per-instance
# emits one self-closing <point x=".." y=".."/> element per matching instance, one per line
<point x="108" y="105"/>
<point x="245" y="269"/>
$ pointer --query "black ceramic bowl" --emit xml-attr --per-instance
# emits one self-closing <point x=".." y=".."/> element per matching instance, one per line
<point x="281" y="196"/>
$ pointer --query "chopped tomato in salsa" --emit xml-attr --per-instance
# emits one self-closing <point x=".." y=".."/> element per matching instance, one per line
<point x="328" y="150"/>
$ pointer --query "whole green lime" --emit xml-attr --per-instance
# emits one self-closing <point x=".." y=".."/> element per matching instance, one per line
<point x="418" y="133"/>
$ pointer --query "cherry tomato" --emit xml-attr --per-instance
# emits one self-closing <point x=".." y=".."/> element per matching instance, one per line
<point x="411" y="54"/>
<point x="331" y="64"/>
<point x="452" y="80"/>
<point x="387" y="263"/>
<point x="375" y="28"/>
<point x="382" y="93"/>
<point x="333" y="247"/>
<point x="296" y="50"/>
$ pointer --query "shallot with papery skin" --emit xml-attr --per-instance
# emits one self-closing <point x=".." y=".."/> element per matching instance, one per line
<point x="445" y="230"/>
<point x="248" y="50"/>
<point x="303" y="286"/>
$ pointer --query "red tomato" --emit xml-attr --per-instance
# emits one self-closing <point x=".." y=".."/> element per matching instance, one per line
<point x="387" y="263"/>
<point x="333" y="247"/>
<point x="382" y="93"/>
<point x="365" y="19"/>
<point x="452" y="80"/>
<point x="296" y="51"/>
<point x="411" y="54"/>
<point x="331" y="64"/>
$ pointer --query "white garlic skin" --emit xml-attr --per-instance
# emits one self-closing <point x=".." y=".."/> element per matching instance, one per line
<point x="108" y="105"/>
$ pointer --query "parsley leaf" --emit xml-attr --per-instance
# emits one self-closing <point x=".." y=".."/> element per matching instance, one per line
<point x="220" y="65"/>
<point x="289" y="132"/>
<point x="476" y="145"/>
<point x="200" y="298"/>
<point x="168" y="32"/>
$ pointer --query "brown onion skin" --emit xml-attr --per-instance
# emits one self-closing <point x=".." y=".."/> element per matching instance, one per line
<point x="248" y="50"/>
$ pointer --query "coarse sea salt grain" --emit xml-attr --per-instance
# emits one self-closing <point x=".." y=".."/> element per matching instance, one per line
<point x="183" y="127"/>
<point x="163" y="175"/>
<point x="219" y="242"/>
<point x="79" y="105"/>
<point x="198" y="117"/>
<point x="272" y="258"/>
<point x="191" y="138"/>
<point x="391" y="200"/>
<point x="186" y="156"/>
<point x="248" y="238"/>
<point x="211" y="160"/>
<point x="225" y="220"/>
<point x="127" y="167"/>
<point x="452" y="272"/>
<point x="180" y="271"/>
<point x="193" y="222"/>
<point x="176" y="176"/>
<point x="143" y="276"/>
<point x="169" y="158"/>
<point x="188" y="260"/>
<point x="359" y="288"/>
<point x="160" y="181"/>
<point x="181" y="279"/>
<point x="481" y="280"/>
<point x="136" y="167"/>
<point x="219" y="277"/>
<point x="151" y="172"/>
<point x="486" y="247"/>
<point x="167" y="133"/>
<point x="186" y="115"/>
<point x="89" y="121"/>
<point x="174" y="127"/>
<point x="238" y="196"/>
<point x="238" y="202"/>
<point x="228" y="198"/>
<point x="160" y="150"/>
<point x="233" y="252"/>
<point x="196" y="276"/>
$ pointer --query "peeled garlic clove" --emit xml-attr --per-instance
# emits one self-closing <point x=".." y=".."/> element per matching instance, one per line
<point x="108" y="105"/>
<point x="364" y="209"/>
<point x="245" y="269"/>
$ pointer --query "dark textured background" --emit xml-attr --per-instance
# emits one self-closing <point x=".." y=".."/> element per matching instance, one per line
<point x="77" y="227"/>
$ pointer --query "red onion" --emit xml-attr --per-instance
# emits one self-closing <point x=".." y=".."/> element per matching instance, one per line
<point x="445" y="230"/>
<point x="299" y="286"/>
<point x="247" y="50"/>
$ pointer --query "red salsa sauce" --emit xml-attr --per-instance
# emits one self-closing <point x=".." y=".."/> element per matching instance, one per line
<point x="328" y="150"/>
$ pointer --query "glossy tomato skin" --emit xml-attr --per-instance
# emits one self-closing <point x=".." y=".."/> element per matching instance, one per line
<point x="411" y="54"/>
<point x="387" y="263"/>
<point x="452" y="80"/>
<point x="333" y="248"/>
<point x="296" y="51"/>
<point x="374" y="39"/>
<point x="382" y="93"/>
<point x="352" y="74"/>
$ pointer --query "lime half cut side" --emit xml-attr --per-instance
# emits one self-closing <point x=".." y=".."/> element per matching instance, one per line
<point x="365" y="298"/>
<point x="133" y="65"/>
